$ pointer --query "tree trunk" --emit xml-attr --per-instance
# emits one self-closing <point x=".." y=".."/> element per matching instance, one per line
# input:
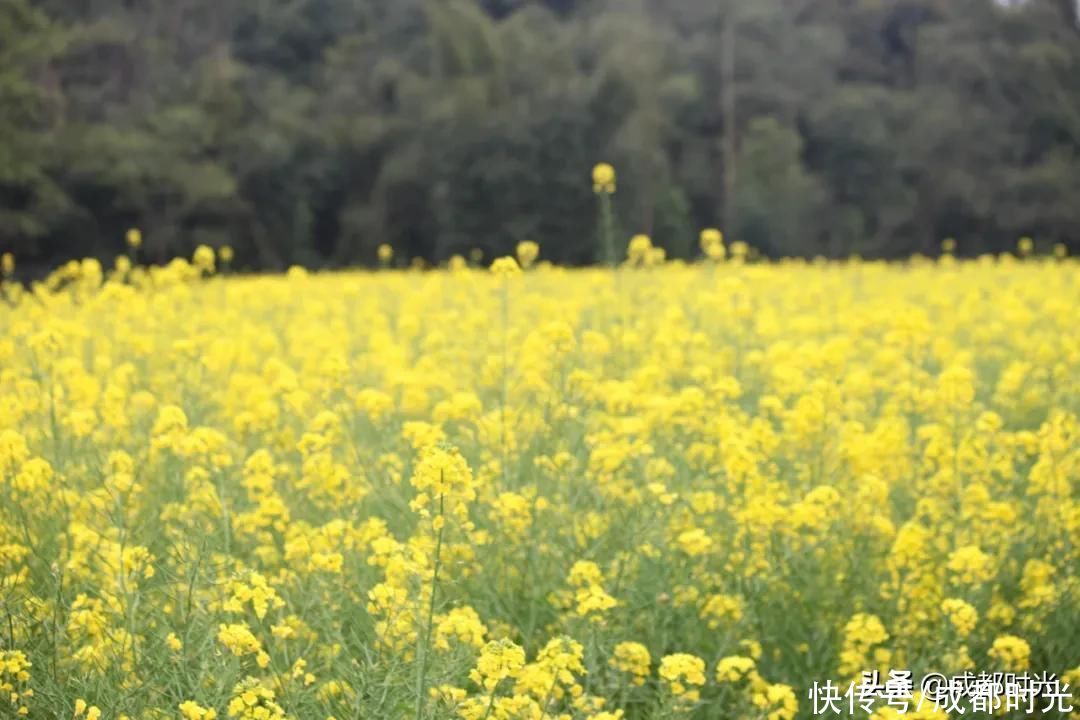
<point x="729" y="107"/>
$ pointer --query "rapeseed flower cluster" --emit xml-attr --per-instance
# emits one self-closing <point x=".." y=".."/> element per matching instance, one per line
<point x="656" y="489"/>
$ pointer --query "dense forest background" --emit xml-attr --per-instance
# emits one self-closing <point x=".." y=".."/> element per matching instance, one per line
<point x="311" y="131"/>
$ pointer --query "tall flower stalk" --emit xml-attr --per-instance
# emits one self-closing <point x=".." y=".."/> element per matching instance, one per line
<point x="604" y="186"/>
<point x="424" y="647"/>
<point x="505" y="268"/>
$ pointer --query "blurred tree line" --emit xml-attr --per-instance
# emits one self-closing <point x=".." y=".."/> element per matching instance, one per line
<point x="311" y="131"/>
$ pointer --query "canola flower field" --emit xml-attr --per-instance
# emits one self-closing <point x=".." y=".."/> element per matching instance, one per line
<point x="664" y="490"/>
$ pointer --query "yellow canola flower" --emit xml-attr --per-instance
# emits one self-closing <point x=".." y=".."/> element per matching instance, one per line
<point x="684" y="674"/>
<point x="204" y="259"/>
<point x="327" y="494"/>
<point x="1011" y="653"/>
<point x="962" y="616"/>
<point x="190" y="710"/>
<point x="777" y="701"/>
<point x="603" y="177"/>
<point x="712" y="244"/>
<point x="734" y="668"/>
<point x="527" y="252"/>
<point x="498" y="661"/>
<point x="134" y="238"/>
<point x="505" y="267"/>
<point x="632" y="658"/>
<point x="639" y="249"/>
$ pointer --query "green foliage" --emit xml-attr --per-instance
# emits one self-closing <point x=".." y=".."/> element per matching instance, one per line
<point x="314" y="130"/>
<point x="29" y="196"/>
<point x="778" y="201"/>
